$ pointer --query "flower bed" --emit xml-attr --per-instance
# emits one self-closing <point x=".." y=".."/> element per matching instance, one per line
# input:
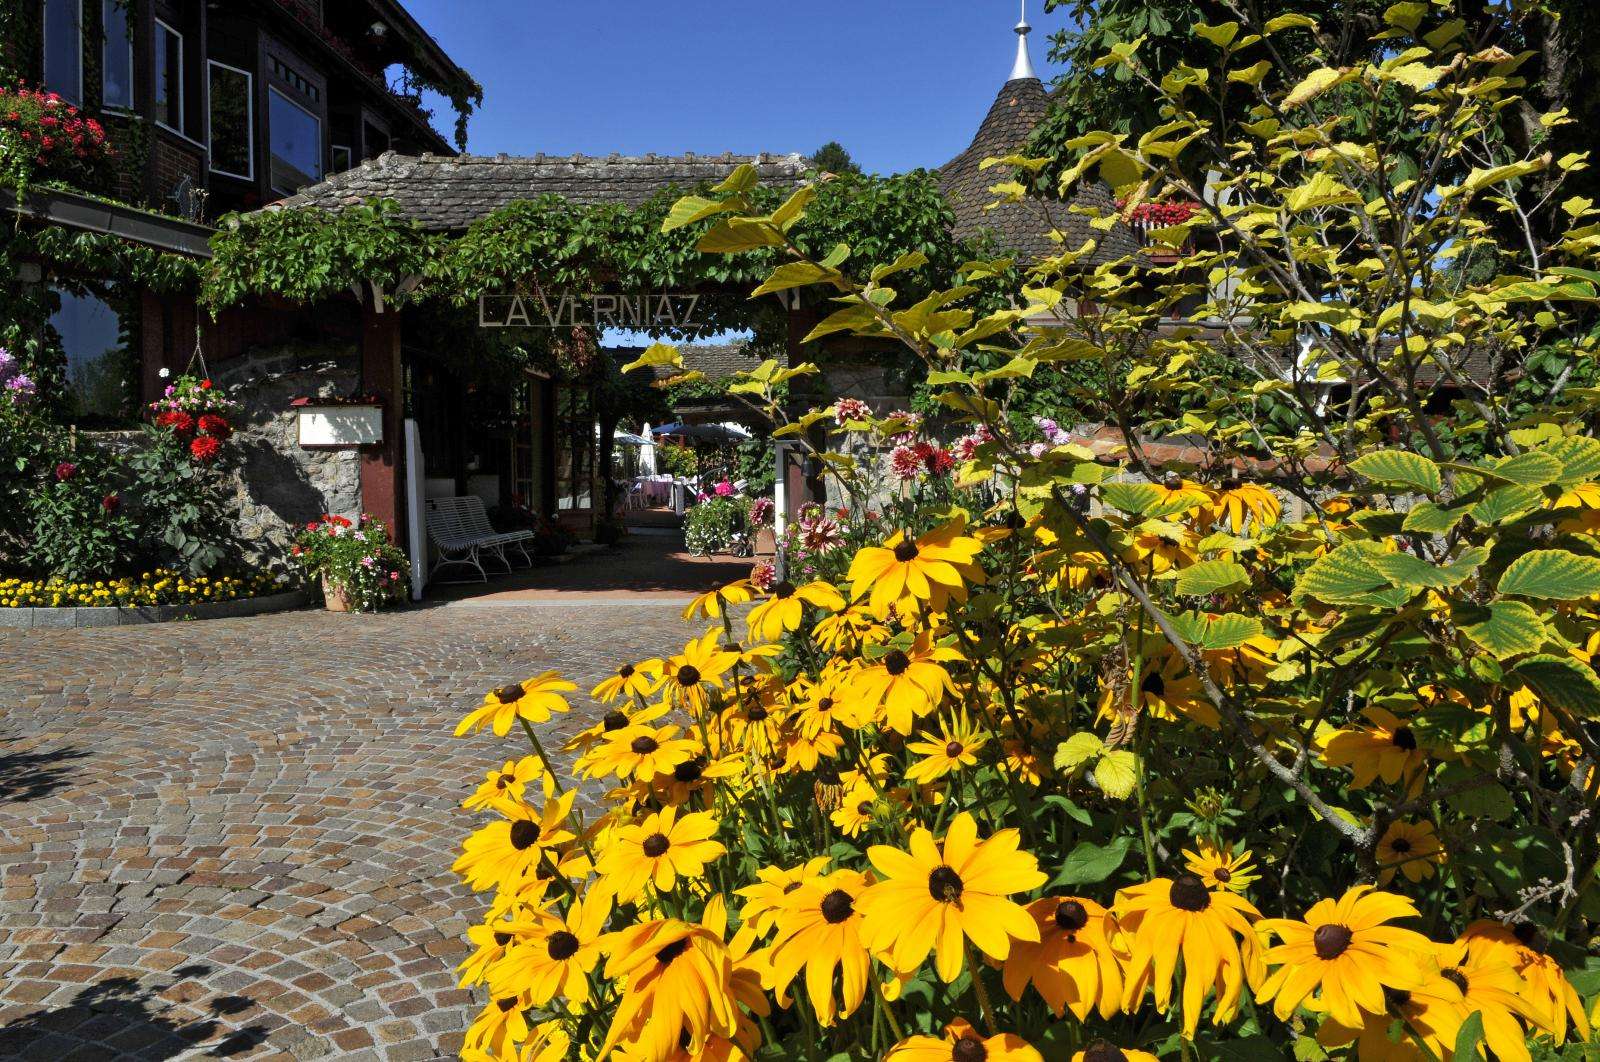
<point x="160" y="587"/>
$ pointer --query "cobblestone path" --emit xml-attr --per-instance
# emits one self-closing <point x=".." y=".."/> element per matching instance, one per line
<point x="232" y="839"/>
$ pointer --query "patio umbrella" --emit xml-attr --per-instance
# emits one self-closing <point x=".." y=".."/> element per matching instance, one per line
<point x="714" y="432"/>
<point x="628" y="438"/>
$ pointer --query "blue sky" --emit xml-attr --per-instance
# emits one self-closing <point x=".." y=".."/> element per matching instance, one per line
<point x="901" y="83"/>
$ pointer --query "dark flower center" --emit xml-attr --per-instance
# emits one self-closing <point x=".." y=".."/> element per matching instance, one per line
<point x="944" y="885"/>
<point x="690" y="770"/>
<point x="524" y="834"/>
<point x="968" y="1049"/>
<point x="614" y="721"/>
<point x="1100" y="1051"/>
<point x="905" y="551"/>
<point x="954" y="749"/>
<point x="1455" y="977"/>
<point x="1154" y="685"/>
<point x="783" y="589"/>
<point x="825" y="704"/>
<point x="504" y="780"/>
<point x="757" y="714"/>
<point x="507" y="694"/>
<point x="793" y="885"/>
<point x="1222" y="874"/>
<point x="1331" y="941"/>
<point x="1395" y="998"/>
<point x="561" y="945"/>
<point x="1400" y="845"/>
<point x="506" y="1004"/>
<point x="644" y="744"/>
<point x="1404" y="739"/>
<point x="688" y="675"/>
<point x="625" y="671"/>
<point x="837" y="906"/>
<point x="896" y="662"/>
<point x="667" y="954"/>
<point x="1071" y="916"/>
<point x="655" y="846"/>
<point x="502" y="939"/>
<point x="1189" y="893"/>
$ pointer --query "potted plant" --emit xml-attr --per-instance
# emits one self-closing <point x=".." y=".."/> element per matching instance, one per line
<point x="360" y="568"/>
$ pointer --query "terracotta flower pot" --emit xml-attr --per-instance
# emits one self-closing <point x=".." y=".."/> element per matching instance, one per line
<point x="766" y="542"/>
<point x="336" y="596"/>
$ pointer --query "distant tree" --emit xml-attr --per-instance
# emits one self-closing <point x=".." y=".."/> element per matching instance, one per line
<point x="833" y="158"/>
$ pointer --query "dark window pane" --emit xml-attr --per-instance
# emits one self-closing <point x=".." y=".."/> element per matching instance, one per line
<point x="231" y="128"/>
<point x="296" y="137"/>
<point x="99" y="368"/>
<point x="169" y="77"/>
<point x="116" y="81"/>
<point x="63" y="49"/>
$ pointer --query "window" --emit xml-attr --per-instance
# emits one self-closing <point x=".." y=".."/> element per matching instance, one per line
<point x="230" y="94"/>
<point x="63" y="49"/>
<point x="296" y="138"/>
<point x="116" y="67"/>
<point x="343" y="158"/>
<point x="169" y="77"/>
<point x="99" y="367"/>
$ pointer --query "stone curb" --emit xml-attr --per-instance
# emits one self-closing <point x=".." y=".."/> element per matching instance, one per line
<point x="132" y="615"/>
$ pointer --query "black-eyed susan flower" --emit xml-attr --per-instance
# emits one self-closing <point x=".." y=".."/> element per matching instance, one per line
<point x="555" y="958"/>
<point x="639" y="751"/>
<point x="1431" y="1014"/>
<point x="1220" y="868"/>
<point x="613" y="721"/>
<point x="1492" y="987"/>
<point x="533" y="700"/>
<point x="510" y="782"/>
<point x="489" y="941"/>
<point x="687" y="676"/>
<point x="1167" y="690"/>
<point x="677" y="988"/>
<point x="713" y="603"/>
<point x="932" y="898"/>
<point x="856" y="809"/>
<point x="819" y="931"/>
<point x="697" y="774"/>
<point x="1346" y="952"/>
<point x="962" y="1043"/>
<point x="784" y="608"/>
<point x="1238" y="504"/>
<point x="1172" y="917"/>
<point x="1409" y="848"/>
<point x="764" y="898"/>
<point x="1386" y="748"/>
<point x="905" y="684"/>
<point x="911" y="572"/>
<point x="850" y="630"/>
<point x="956" y="747"/>
<point x="507" y="850"/>
<point x="1106" y="1051"/>
<point x="630" y="680"/>
<point x="1554" y="1002"/>
<point x="803" y="753"/>
<point x="499" y="1027"/>
<point x="1074" y="964"/>
<point x="659" y="851"/>
<point x="1161" y="547"/>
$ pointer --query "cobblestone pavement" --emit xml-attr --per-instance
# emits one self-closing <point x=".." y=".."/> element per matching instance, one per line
<point x="233" y="838"/>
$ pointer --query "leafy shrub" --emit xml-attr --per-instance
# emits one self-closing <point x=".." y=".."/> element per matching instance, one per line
<point x="718" y="525"/>
<point x="357" y="558"/>
<point x="78" y="529"/>
<point x="676" y="459"/>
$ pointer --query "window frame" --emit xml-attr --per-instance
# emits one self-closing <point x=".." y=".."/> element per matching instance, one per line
<point x="105" y="47"/>
<point x="183" y="45"/>
<point x="44" y="50"/>
<point x="322" y="126"/>
<point x="350" y="158"/>
<point x="250" y="118"/>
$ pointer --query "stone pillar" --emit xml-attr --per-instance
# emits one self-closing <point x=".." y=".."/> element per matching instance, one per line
<point x="383" y="466"/>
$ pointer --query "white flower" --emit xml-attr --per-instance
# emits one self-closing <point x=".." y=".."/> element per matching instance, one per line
<point x="164" y="373"/>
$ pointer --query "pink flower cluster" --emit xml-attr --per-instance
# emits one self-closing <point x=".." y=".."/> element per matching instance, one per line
<point x="966" y="447"/>
<point x="847" y="410"/>
<point x="51" y="129"/>
<point x="16" y="386"/>
<point x="913" y="461"/>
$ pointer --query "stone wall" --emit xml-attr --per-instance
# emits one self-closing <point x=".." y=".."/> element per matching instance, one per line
<point x="279" y="486"/>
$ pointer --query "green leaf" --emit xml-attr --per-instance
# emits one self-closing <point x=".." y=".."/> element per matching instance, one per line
<point x="793" y="275"/>
<point x="1213" y="576"/>
<point x="1284" y="22"/>
<point x="1506" y="503"/>
<point x="1468" y="1037"/>
<point x="739" y="234"/>
<point x="742" y="179"/>
<point x="1401" y="467"/>
<point x="1221" y="36"/>
<point x="1579" y="457"/>
<point x="1552" y="574"/>
<point x="1407" y="570"/>
<point x="1090" y="863"/>
<point x="1117" y="774"/>
<point x="1563" y="682"/>
<point x="1532" y="469"/>
<point x="1343" y="577"/>
<point x="1504" y="628"/>
<point x="1135" y="498"/>
<point x="1077" y="750"/>
<point x="909" y="260"/>
<point x="1229" y="632"/>
<point x="1431" y="518"/>
<point x="693" y="208"/>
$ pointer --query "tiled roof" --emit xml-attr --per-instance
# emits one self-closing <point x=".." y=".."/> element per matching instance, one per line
<point x="451" y="193"/>
<point x="1023" y="228"/>
<point x="717" y="361"/>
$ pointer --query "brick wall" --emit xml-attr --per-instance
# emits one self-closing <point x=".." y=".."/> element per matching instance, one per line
<point x="171" y="160"/>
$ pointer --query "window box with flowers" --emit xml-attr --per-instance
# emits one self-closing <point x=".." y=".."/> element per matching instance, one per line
<point x="360" y="568"/>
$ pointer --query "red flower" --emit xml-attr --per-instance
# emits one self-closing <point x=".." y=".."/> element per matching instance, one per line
<point x="204" y="448"/>
<point x="178" y="421"/>
<point x="111" y="503"/>
<point x="215" y="426"/>
<point x="205" y="385"/>
<point x="65" y="471"/>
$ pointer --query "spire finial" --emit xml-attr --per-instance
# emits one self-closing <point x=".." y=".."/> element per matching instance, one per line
<point x="1023" y="69"/>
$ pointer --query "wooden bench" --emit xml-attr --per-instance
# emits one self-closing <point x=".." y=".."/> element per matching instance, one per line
<point x="460" y="531"/>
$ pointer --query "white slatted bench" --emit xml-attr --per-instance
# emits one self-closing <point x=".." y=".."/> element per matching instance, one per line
<point x="461" y="541"/>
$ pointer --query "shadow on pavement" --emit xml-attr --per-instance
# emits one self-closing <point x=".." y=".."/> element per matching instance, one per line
<point x="28" y="776"/>
<point x="121" y="1019"/>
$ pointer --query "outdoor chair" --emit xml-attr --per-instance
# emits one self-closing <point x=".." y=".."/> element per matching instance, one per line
<point x="460" y="532"/>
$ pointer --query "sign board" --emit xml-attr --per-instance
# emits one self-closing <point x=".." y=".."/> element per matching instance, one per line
<point x="638" y="311"/>
<point x="338" y="427"/>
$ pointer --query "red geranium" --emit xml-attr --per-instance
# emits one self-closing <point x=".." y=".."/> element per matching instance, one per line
<point x="65" y="471"/>
<point x="111" y="503"/>
<point x="204" y="448"/>
<point x="214" y="426"/>
<point x="178" y="421"/>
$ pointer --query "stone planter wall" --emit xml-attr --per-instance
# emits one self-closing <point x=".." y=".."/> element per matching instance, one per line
<point x="50" y="618"/>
